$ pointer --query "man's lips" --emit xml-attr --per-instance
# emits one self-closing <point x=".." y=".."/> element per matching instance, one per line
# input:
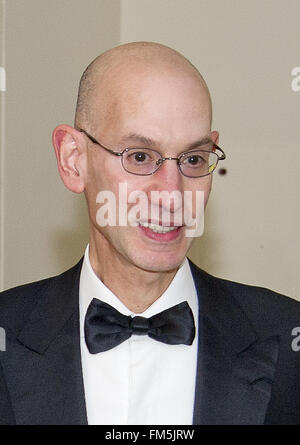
<point x="159" y="232"/>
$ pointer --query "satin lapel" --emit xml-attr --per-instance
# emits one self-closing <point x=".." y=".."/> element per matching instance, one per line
<point x="235" y="368"/>
<point x="43" y="369"/>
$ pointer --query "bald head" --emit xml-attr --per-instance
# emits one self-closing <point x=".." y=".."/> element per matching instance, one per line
<point x="104" y="77"/>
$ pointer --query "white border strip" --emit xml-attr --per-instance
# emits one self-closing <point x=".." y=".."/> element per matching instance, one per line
<point x="2" y="79"/>
<point x="2" y="140"/>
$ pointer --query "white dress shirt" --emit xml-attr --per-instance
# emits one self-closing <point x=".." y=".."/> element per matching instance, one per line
<point x="141" y="381"/>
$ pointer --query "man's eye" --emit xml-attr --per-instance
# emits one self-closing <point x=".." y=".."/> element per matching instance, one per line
<point x="194" y="160"/>
<point x="139" y="157"/>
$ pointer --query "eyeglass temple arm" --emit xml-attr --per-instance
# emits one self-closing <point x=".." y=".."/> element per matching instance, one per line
<point x="223" y="155"/>
<point x="116" y="153"/>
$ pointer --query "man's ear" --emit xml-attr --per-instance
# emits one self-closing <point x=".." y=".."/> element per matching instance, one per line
<point x="215" y="137"/>
<point x="70" y="157"/>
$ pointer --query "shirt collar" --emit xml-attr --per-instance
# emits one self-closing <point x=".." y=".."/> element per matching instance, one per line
<point x="181" y="288"/>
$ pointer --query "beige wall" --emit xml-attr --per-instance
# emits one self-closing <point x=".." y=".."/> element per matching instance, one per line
<point x="246" y="50"/>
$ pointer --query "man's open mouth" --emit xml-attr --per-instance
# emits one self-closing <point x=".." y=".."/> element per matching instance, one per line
<point x="158" y="228"/>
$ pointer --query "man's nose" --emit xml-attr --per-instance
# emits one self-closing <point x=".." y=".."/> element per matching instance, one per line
<point x="167" y="178"/>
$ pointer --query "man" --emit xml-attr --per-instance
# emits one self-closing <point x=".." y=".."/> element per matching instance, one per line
<point x="135" y="333"/>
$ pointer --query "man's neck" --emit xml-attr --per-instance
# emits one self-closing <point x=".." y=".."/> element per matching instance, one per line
<point x="136" y="288"/>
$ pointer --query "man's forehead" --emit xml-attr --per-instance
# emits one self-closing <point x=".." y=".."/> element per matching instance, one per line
<point x="151" y="104"/>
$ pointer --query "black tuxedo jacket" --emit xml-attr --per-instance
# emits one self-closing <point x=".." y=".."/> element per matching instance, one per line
<point x="247" y="371"/>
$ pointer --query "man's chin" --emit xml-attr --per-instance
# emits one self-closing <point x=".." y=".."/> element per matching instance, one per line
<point x="159" y="265"/>
<point x="160" y="259"/>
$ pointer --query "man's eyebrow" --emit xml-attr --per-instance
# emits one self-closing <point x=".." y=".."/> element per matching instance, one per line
<point x="199" y="143"/>
<point x="138" y="138"/>
<point x="147" y="141"/>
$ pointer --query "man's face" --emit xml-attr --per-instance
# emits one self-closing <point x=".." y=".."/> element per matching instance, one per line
<point x="173" y="111"/>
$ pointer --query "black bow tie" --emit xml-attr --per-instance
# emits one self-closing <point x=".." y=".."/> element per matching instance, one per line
<point x="106" y="328"/>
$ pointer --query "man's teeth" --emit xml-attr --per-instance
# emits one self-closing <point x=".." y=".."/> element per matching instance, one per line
<point x="157" y="228"/>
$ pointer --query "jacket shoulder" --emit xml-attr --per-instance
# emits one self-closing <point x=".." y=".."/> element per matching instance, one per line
<point x="241" y="290"/>
<point x="16" y="303"/>
<point x="265" y="307"/>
